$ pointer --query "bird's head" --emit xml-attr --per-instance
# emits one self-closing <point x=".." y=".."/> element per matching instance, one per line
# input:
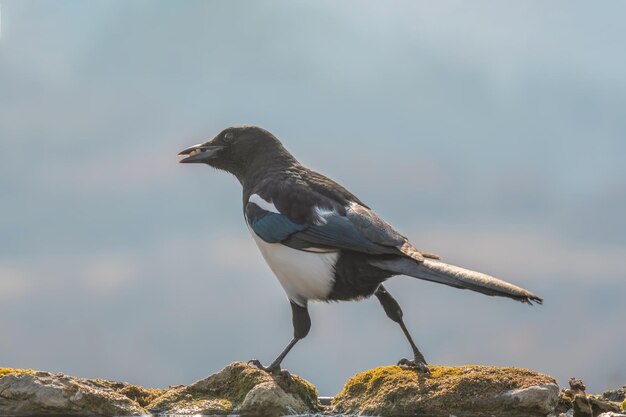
<point x="237" y="150"/>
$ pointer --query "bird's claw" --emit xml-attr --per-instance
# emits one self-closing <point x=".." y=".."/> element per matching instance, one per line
<point x="256" y="363"/>
<point x="272" y="369"/>
<point x="420" y="366"/>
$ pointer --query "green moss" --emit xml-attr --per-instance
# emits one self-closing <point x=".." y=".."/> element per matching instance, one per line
<point x="6" y="371"/>
<point x="624" y="405"/>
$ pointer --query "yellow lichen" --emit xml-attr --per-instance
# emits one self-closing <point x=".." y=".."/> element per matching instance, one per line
<point x="6" y="371"/>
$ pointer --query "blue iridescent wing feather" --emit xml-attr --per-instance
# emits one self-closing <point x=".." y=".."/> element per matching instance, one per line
<point x="333" y="231"/>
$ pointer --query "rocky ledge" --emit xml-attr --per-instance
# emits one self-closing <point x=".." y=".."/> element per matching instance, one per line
<point x="238" y="388"/>
<point x="465" y="391"/>
<point x="27" y="392"/>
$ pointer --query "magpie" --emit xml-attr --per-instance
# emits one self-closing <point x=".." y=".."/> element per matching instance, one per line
<point x="321" y="241"/>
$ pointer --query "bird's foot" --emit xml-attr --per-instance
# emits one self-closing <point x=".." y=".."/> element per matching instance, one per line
<point x="273" y="369"/>
<point x="419" y="365"/>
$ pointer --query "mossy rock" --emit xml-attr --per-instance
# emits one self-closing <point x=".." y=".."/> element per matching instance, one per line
<point x="462" y="391"/>
<point x="592" y="405"/>
<point x="564" y="404"/>
<point x="143" y="396"/>
<point x="240" y="388"/>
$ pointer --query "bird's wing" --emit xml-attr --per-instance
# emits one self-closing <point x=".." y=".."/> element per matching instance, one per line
<point x="269" y="224"/>
<point x="326" y="227"/>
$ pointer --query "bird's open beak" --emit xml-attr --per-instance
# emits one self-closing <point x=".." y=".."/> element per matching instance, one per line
<point x="199" y="153"/>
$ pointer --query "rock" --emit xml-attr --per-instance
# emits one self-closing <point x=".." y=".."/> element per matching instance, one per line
<point x="460" y="391"/>
<point x="564" y="404"/>
<point x="566" y="396"/>
<point x="576" y="387"/>
<point x="617" y="395"/>
<point x="242" y="389"/>
<point x="26" y="392"/>
<point x="143" y="396"/>
<point x="575" y="400"/>
<point x="611" y="414"/>
<point x="588" y="406"/>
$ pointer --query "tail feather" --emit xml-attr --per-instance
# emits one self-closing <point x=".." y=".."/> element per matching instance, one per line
<point x="454" y="276"/>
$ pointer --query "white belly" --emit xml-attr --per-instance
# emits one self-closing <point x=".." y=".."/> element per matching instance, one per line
<point x="303" y="275"/>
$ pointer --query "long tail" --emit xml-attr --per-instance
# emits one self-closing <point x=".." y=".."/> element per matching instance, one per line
<point x="454" y="276"/>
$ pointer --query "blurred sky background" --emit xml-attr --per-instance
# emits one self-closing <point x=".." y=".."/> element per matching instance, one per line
<point x="491" y="133"/>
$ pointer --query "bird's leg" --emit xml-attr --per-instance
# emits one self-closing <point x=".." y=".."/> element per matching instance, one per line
<point x="301" y="326"/>
<point x="394" y="312"/>
<point x="274" y="367"/>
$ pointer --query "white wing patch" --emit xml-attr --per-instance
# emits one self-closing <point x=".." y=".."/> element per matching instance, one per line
<point x="322" y="213"/>
<point x="265" y="205"/>
<point x="303" y="275"/>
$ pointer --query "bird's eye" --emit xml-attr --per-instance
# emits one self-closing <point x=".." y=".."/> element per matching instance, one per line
<point x="229" y="135"/>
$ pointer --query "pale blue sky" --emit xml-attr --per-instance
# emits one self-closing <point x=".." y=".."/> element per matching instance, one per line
<point x="491" y="133"/>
